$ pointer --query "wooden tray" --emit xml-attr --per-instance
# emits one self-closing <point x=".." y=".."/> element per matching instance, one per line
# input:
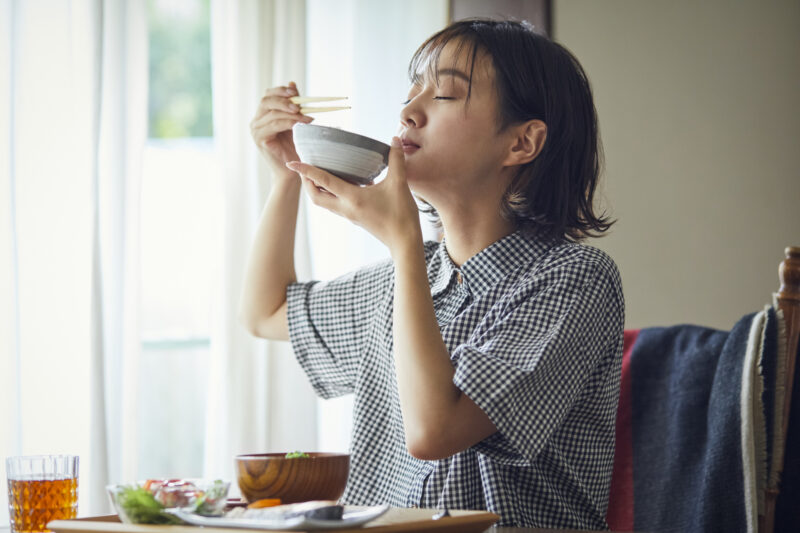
<point x="396" y="520"/>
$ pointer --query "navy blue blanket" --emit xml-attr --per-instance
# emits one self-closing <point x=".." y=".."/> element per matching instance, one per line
<point x="686" y="383"/>
<point x="685" y="386"/>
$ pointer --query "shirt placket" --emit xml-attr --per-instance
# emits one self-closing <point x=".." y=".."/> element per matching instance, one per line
<point x="423" y="472"/>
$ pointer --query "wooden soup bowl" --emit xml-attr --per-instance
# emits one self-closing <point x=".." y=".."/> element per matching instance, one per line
<point x="322" y="476"/>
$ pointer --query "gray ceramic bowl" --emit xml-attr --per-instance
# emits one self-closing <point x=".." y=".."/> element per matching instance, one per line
<point x="350" y="156"/>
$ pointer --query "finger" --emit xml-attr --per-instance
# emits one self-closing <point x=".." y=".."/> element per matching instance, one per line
<point x="397" y="161"/>
<point x="271" y="126"/>
<point x="273" y="116"/>
<point x="280" y="103"/>
<point x="264" y="136"/>
<point x="315" y="190"/>
<point x="283" y="90"/>
<point x="320" y="196"/>
<point x="323" y="179"/>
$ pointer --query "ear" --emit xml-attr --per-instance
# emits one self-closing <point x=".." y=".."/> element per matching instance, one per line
<point x="527" y="142"/>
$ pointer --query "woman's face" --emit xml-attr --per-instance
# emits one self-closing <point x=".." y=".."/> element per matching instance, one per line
<point x="452" y="147"/>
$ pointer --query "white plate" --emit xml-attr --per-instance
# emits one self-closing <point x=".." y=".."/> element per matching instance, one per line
<point x="350" y="518"/>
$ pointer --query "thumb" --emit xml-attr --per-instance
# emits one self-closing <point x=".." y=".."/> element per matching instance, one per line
<point x="397" y="161"/>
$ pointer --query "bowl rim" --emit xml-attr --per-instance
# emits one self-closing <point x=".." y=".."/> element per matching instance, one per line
<point x="196" y="480"/>
<point x="282" y="455"/>
<point x="371" y="144"/>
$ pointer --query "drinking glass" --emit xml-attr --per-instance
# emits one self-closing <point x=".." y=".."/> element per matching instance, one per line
<point x="41" y="488"/>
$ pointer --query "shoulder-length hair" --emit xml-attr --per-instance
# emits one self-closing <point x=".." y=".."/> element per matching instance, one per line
<point x="536" y="78"/>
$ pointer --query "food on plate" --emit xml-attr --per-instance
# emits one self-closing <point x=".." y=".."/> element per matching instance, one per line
<point x="145" y="503"/>
<point x="265" y="502"/>
<point x="141" y="507"/>
<point x="318" y="510"/>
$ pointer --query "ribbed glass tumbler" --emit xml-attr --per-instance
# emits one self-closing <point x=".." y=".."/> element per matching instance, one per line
<point x="41" y="488"/>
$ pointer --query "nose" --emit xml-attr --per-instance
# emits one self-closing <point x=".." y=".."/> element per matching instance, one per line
<point x="412" y="115"/>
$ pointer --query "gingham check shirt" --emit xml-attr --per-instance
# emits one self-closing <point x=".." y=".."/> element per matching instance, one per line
<point x="534" y="331"/>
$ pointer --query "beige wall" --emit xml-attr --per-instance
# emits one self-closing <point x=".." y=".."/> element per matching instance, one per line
<point x="699" y="107"/>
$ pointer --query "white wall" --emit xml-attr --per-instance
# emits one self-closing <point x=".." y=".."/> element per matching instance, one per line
<point x="699" y="107"/>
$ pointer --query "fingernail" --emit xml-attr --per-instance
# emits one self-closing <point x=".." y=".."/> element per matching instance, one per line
<point x="294" y="107"/>
<point x="293" y="165"/>
<point x="396" y="142"/>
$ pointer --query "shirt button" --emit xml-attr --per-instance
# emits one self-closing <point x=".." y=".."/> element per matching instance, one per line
<point x="458" y="278"/>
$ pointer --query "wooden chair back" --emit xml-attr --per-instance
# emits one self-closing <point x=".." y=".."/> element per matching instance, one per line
<point x="788" y="299"/>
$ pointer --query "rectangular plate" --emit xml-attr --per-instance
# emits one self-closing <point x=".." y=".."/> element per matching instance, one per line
<point x="351" y="518"/>
<point x="396" y="520"/>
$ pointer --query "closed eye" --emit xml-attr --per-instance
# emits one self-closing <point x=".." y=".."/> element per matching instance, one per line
<point x="435" y="98"/>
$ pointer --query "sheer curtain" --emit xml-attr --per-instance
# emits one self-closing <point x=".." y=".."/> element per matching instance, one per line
<point x="73" y="106"/>
<point x="259" y="399"/>
<point x="74" y="84"/>
<point x="121" y="122"/>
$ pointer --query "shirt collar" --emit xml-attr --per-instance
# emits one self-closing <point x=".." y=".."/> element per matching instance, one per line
<point x="484" y="269"/>
<point x="441" y="271"/>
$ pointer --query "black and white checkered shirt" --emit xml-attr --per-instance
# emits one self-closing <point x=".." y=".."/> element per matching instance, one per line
<point x="534" y="332"/>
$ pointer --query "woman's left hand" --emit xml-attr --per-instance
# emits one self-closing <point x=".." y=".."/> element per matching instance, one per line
<point x="386" y="209"/>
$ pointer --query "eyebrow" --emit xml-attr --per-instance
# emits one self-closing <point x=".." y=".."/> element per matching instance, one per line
<point x="453" y="72"/>
<point x="446" y="72"/>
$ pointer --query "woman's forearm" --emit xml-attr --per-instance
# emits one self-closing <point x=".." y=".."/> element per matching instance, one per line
<point x="422" y="362"/>
<point x="270" y="266"/>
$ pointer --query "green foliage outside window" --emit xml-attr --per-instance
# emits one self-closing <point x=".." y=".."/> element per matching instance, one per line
<point x="180" y="69"/>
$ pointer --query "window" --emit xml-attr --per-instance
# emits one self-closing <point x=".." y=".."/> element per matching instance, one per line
<point x="178" y="218"/>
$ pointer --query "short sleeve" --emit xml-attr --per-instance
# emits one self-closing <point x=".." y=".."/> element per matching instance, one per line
<point x="329" y="323"/>
<point x="530" y="361"/>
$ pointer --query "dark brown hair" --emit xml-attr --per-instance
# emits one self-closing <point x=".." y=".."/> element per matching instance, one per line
<point x="536" y="78"/>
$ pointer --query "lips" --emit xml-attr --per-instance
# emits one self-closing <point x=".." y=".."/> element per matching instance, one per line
<point x="408" y="145"/>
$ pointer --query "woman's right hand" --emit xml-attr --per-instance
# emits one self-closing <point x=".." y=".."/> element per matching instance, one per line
<point x="271" y="128"/>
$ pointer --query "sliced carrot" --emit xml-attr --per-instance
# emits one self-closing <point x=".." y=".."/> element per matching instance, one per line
<point x="266" y="502"/>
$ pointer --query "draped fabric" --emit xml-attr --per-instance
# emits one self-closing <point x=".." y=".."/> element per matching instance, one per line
<point x="258" y="399"/>
<point x="72" y="112"/>
<point x="696" y="412"/>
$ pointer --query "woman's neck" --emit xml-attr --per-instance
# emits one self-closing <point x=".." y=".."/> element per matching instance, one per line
<point x="467" y="232"/>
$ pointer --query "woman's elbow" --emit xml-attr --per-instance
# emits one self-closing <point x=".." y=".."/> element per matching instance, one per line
<point x="273" y="327"/>
<point x="256" y="324"/>
<point x="250" y="324"/>
<point x="427" y="445"/>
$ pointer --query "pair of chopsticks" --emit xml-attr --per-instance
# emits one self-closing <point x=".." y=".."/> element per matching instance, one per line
<point x="313" y="99"/>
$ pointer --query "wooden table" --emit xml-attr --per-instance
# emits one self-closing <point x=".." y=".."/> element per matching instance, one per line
<point x="490" y="530"/>
<point x="7" y="529"/>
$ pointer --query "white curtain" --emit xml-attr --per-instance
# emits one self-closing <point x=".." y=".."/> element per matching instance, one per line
<point x="72" y="129"/>
<point x="72" y="106"/>
<point x="258" y="399"/>
<point x="121" y="122"/>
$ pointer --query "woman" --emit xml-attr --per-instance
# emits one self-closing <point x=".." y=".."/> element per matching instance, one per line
<point x="485" y="368"/>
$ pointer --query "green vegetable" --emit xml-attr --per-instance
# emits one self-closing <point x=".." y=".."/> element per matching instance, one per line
<point x="295" y="455"/>
<point x="208" y="503"/>
<point x="142" y="508"/>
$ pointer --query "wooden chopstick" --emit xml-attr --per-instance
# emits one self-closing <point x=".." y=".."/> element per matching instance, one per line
<point x="310" y="99"/>
<point x="305" y="110"/>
